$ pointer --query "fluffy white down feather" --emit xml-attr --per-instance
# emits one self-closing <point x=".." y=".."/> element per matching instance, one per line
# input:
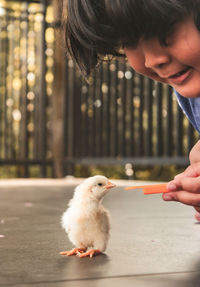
<point x="86" y="221"/>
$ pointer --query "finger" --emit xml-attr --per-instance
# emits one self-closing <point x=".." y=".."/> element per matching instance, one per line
<point x="191" y="171"/>
<point x="183" y="197"/>
<point x="194" y="155"/>
<point x="188" y="171"/>
<point x="191" y="184"/>
<point x="197" y="208"/>
<point x="197" y="214"/>
<point x="180" y="175"/>
<point x="174" y="185"/>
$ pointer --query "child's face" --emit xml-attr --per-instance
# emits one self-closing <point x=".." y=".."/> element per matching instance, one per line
<point x="177" y="63"/>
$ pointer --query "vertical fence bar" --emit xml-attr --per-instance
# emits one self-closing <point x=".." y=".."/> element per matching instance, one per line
<point x="77" y="117"/>
<point x="116" y="126"/>
<point x="169" y="123"/>
<point x="101" y="113"/>
<point x="94" y="131"/>
<point x="84" y="90"/>
<point x="2" y="99"/>
<point x="5" y="131"/>
<point x="159" y="126"/>
<point x="70" y="110"/>
<point x="141" y="109"/>
<point x="179" y="133"/>
<point x="97" y="111"/>
<point x="124" y="111"/>
<point x="24" y="132"/>
<point x="9" y="95"/>
<point x="132" y="118"/>
<point x="87" y="127"/>
<point x="105" y="110"/>
<point x="88" y="136"/>
<point x="65" y="119"/>
<point x="43" y="101"/>
<point x="108" y="126"/>
<point x="5" y="63"/>
<point x="190" y="136"/>
<point x="149" y="116"/>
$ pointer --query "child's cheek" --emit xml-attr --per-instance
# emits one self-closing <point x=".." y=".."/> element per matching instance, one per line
<point x="137" y="62"/>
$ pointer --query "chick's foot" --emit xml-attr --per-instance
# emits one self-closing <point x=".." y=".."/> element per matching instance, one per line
<point x="74" y="251"/>
<point x="89" y="253"/>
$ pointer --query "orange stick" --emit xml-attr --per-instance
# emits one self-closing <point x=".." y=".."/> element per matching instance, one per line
<point x="150" y="189"/>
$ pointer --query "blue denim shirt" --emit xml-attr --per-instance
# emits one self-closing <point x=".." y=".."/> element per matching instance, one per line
<point x="191" y="108"/>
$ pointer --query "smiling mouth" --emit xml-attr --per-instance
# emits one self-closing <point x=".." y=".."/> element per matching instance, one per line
<point x="179" y="73"/>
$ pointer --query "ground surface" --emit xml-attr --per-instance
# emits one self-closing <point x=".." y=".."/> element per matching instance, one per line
<point x="153" y="243"/>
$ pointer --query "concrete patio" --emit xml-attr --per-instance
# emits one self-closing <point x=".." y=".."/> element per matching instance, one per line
<point x="153" y="243"/>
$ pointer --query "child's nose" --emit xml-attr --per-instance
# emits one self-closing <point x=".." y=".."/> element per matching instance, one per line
<point x="155" y="55"/>
<point x="155" y="61"/>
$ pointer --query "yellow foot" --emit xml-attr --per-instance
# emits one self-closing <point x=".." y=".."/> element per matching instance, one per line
<point x="74" y="251"/>
<point x="89" y="253"/>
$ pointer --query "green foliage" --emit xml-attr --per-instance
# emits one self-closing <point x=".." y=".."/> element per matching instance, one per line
<point x="13" y="171"/>
<point x="154" y="173"/>
<point x="158" y="173"/>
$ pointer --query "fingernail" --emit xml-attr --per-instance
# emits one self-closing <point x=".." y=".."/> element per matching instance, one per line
<point x="167" y="197"/>
<point x="171" y="186"/>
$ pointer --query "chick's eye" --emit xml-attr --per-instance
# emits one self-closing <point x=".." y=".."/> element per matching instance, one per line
<point x="100" y="184"/>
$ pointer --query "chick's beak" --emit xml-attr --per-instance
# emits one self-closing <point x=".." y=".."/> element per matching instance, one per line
<point x="110" y="185"/>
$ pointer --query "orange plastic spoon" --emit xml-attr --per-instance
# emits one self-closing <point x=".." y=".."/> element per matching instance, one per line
<point x="150" y="189"/>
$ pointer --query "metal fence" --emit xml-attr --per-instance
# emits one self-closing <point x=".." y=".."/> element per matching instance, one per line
<point x="122" y="117"/>
<point x="25" y="85"/>
<point x="118" y="117"/>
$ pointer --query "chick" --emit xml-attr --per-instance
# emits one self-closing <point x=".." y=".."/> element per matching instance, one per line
<point x="86" y="221"/>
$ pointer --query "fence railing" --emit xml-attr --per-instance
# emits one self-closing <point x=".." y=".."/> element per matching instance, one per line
<point x="117" y="117"/>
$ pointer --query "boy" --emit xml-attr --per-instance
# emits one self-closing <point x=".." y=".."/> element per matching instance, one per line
<point x="161" y="40"/>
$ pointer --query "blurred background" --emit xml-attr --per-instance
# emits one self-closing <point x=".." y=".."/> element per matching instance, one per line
<point x="53" y="123"/>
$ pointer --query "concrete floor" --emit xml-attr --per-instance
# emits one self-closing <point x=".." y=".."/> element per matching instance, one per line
<point x="153" y="243"/>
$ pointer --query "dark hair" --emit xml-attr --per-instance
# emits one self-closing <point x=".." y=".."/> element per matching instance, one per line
<point x="95" y="28"/>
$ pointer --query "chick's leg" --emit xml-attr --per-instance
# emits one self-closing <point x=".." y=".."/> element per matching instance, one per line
<point x="74" y="251"/>
<point x="89" y="253"/>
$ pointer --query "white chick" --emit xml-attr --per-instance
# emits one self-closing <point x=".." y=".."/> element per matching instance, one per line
<point x="86" y="221"/>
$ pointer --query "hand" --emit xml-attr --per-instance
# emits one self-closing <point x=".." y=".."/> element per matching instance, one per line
<point x="185" y="187"/>
<point x="195" y="153"/>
